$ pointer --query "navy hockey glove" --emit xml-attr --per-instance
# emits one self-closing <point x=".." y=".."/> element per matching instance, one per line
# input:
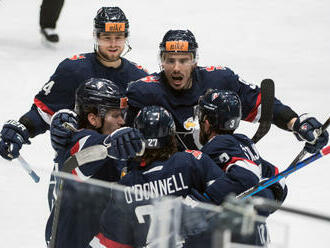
<point x="305" y="129"/>
<point x="60" y="135"/>
<point x="12" y="136"/>
<point x="279" y="189"/>
<point x="195" y="195"/>
<point x="125" y="143"/>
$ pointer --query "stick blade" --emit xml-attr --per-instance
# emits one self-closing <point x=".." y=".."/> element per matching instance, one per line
<point x="87" y="155"/>
<point x="267" y="103"/>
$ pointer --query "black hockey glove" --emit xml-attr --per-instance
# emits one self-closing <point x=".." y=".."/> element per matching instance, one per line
<point x="60" y="136"/>
<point x="125" y="143"/>
<point x="305" y="128"/>
<point x="279" y="190"/>
<point x="12" y="136"/>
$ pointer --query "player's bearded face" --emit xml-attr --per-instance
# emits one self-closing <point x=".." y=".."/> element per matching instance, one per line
<point x="111" y="45"/>
<point x="178" y="68"/>
<point x="113" y="120"/>
<point x="203" y="134"/>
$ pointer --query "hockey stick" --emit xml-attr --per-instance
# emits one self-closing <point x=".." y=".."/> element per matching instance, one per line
<point x="290" y="169"/>
<point x="265" y="184"/>
<point x="263" y="203"/>
<point x="267" y="102"/>
<point x="28" y="169"/>
<point x="26" y="166"/>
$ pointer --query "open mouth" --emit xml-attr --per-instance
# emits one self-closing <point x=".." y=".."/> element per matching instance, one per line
<point x="178" y="78"/>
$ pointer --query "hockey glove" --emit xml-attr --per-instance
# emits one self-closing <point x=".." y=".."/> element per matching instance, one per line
<point x="125" y="143"/>
<point x="279" y="189"/>
<point x="195" y="195"/>
<point x="12" y="136"/>
<point x="305" y="129"/>
<point x="60" y="136"/>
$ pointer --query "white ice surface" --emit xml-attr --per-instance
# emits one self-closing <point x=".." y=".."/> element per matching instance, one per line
<point x="287" y="41"/>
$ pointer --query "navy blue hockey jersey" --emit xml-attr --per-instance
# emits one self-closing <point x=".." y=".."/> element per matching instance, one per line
<point x="237" y="155"/>
<point x="59" y="92"/>
<point x="153" y="90"/>
<point x="125" y="222"/>
<point x="83" y="203"/>
<point x="238" y="152"/>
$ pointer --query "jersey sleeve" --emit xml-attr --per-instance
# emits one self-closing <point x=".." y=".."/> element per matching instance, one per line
<point x="251" y="102"/>
<point x="86" y="139"/>
<point x="56" y="94"/>
<point x="139" y="96"/>
<point x="227" y="153"/>
<point x="204" y="170"/>
<point x="268" y="169"/>
<point x="220" y="184"/>
<point x="210" y="180"/>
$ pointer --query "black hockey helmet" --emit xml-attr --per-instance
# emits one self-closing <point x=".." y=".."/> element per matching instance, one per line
<point x="179" y="41"/>
<point x="156" y="125"/>
<point x="111" y="19"/>
<point x="101" y="94"/>
<point x="222" y="109"/>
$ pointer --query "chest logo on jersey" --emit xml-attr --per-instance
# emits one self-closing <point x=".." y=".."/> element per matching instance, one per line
<point x="190" y="124"/>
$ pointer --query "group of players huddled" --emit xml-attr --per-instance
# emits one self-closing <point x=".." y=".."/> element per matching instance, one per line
<point x="150" y="122"/>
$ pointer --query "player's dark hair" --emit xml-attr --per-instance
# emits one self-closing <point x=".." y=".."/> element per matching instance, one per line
<point x="160" y="154"/>
<point x="83" y="121"/>
<point x="218" y="130"/>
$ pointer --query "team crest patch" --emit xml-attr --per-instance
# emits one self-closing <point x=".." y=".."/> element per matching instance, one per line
<point x="304" y="127"/>
<point x="189" y="124"/>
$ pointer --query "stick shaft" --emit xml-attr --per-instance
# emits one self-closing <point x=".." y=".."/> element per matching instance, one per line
<point x="28" y="169"/>
<point x="283" y="174"/>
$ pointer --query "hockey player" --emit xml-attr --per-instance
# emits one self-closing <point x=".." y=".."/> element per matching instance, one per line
<point x="219" y="113"/>
<point x="125" y="222"/>
<point x="181" y="82"/>
<point x="99" y="105"/>
<point x="111" y="29"/>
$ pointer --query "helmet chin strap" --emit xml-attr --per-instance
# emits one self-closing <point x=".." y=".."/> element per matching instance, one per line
<point x="129" y="48"/>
